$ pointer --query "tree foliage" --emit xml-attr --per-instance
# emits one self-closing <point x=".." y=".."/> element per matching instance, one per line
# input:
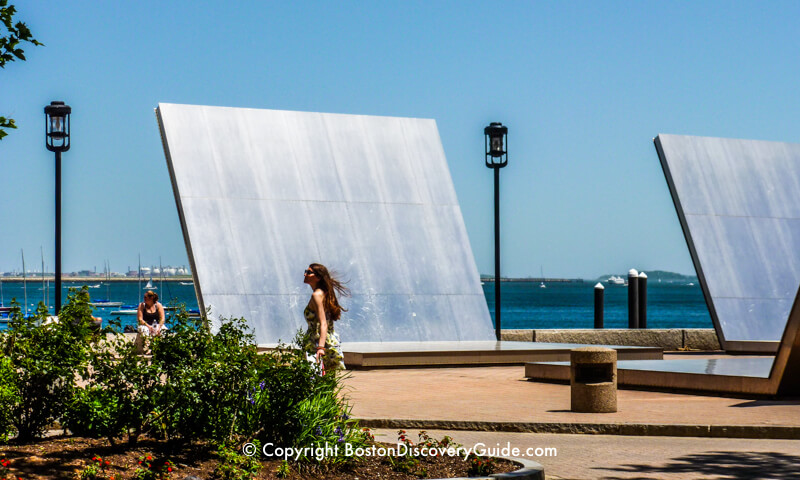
<point x="11" y="36"/>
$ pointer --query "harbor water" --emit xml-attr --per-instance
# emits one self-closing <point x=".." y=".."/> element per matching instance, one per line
<point x="171" y="293"/>
<point x="571" y="305"/>
<point x="525" y="304"/>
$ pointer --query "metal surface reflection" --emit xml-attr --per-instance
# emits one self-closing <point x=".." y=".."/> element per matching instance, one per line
<point x="263" y="193"/>
<point x="738" y="202"/>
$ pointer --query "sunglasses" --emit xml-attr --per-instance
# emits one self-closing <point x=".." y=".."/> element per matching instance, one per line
<point x="309" y="271"/>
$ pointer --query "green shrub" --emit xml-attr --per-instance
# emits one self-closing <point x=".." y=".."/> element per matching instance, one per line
<point x="197" y="385"/>
<point x="283" y="470"/>
<point x="122" y="394"/>
<point x="205" y="375"/>
<point x="47" y="360"/>
<point x="283" y="379"/>
<point x="292" y="404"/>
<point x="235" y="466"/>
<point x="9" y="397"/>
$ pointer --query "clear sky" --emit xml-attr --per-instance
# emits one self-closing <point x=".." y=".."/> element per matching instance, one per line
<point x="582" y="86"/>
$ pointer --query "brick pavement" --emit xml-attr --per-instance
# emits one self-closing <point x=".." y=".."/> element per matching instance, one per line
<point x="501" y="394"/>
<point x="620" y="457"/>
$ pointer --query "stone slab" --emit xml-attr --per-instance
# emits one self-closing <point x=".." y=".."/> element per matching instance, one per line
<point x="359" y="355"/>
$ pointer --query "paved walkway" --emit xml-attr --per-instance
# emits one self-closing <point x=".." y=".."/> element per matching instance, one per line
<point x="618" y="457"/>
<point x="501" y="394"/>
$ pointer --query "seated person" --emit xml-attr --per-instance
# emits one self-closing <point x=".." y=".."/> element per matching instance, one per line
<point x="150" y="315"/>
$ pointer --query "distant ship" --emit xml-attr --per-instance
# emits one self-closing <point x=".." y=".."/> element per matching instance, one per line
<point x="615" y="280"/>
<point x="105" y="303"/>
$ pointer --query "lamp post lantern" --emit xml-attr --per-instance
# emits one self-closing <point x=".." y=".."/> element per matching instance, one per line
<point x="496" y="158"/>
<point x="57" y="140"/>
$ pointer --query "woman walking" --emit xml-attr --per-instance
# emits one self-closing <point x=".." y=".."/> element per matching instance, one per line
<point x="321" y="313"/>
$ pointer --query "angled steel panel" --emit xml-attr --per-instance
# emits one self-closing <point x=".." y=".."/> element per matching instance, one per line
<point x="263" y="193"/>
<point x="738" y="202"/>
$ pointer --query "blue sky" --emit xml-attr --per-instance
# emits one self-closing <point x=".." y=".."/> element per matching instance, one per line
<point x="582" y="86"/>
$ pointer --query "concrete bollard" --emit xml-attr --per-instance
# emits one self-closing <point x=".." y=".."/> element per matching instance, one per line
<point x="633" y="298"/>
<point x="642" y="300"/>
<point x="599" y="290"/>
<point x="593" y="380"/>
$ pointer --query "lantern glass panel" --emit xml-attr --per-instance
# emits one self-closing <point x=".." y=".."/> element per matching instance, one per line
<point x="497" y="144"/>
<point x="57" y="124"/>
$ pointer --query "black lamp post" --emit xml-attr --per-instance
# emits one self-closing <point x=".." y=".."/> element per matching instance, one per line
<point x="57" y="138"/>
<point x="496" y="158"/>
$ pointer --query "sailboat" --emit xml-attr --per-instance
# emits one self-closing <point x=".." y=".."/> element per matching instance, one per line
<point x="24" y="281"/>
<point x="106" y="302"/>
<point x="3" y="310"/>
<point x="541" y="274"/>
<point x="150" y="285"/>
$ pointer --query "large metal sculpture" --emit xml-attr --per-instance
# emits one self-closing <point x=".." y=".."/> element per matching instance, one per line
<point x="263" y="193"/>
<point x="738" y="202"/>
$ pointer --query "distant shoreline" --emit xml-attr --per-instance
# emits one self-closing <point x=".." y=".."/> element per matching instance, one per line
<point x="537" y="280"/>
<point x="93" y="280"/>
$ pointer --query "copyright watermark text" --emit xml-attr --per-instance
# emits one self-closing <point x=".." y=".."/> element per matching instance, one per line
<point x="320" y="452"/>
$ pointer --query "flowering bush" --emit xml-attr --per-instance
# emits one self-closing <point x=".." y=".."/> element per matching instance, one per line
<point x="414" y="454"/>
<point x="367" y="435"/>
<point x="96" y="469"/>
<point x="5" y="472"/>
<point x="409" y="462"/>
<point x="479" y="466"/>
<point x="151" y="469"/>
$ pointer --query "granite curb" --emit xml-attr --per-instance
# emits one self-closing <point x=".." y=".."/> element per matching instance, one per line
<point x="530" y="471"/>
<point x="773" y="432"/>
<point x="670" y="339"/>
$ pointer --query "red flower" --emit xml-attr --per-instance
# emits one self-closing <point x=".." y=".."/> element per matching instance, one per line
<point x="149" y="458"/>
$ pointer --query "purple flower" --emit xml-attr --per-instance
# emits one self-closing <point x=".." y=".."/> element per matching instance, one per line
<point x="319" y="431"/>
<point x="261" y="385"/>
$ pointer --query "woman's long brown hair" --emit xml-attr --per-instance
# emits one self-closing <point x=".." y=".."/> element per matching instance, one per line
<point x="331" y="286"/>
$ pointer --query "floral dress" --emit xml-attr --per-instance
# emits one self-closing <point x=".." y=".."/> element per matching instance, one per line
<point x="332" y="358"/>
